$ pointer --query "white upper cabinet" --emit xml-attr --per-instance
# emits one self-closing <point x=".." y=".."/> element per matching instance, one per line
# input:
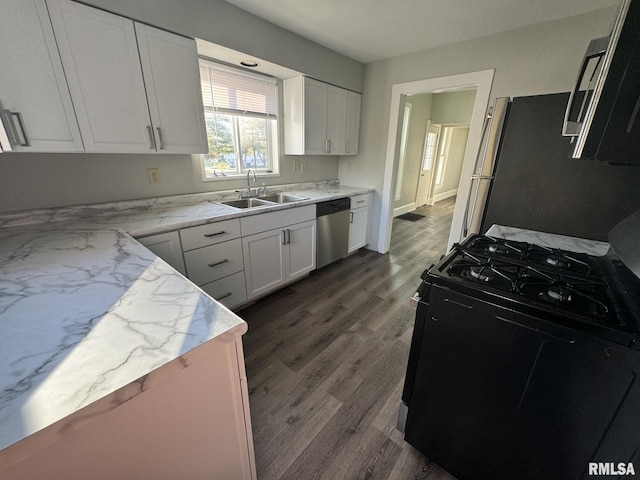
<point x="337" y="108"/>
<point x="172" y="80"/>
<point x="320" y="119"/>
<point x="38" y="114"/>
<point x="354" y="101"/>
<point x="128" y="91"/>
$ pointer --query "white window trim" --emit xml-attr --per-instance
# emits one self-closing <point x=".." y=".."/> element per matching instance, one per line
<point x="279" y="122"/>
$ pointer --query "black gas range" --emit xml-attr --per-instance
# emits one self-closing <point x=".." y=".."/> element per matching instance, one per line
<point x="524" y="359"/>
<point x="584" y="292"/>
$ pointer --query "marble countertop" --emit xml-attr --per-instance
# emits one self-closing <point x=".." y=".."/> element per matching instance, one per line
<point x="86" y="310"/>
<point x="551" y="240"/>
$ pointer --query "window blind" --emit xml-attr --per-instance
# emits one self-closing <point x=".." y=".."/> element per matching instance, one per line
<point x="231" y="91"/>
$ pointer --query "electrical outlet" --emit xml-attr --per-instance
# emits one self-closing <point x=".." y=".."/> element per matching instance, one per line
<point x="154" y="176"/>
<point x="303" y="165"/>
<point x="295" y="165"/>
<point x="349" y="167"/>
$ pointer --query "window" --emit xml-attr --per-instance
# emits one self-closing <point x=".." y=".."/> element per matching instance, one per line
<point x="240" y="112"/>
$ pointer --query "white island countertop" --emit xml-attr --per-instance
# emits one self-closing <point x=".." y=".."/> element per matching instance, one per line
<point x="85" y="310"/>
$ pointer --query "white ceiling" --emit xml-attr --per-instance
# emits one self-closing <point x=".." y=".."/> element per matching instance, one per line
<point x="370" y="30"/>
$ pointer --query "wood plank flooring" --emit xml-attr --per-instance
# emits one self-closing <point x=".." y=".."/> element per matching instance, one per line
<point x="326" y="358"/>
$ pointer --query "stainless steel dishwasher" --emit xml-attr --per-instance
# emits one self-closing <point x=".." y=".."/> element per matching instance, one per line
<point x="333" y="230"/>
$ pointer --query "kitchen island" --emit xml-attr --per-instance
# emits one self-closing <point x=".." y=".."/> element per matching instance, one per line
<point x="111" y="362"/>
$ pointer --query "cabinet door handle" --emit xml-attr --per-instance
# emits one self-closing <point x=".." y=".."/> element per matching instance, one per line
<point x="351" y="218"/>
<point x="284" y="237"/>
<point x="634" y="114"/>
<point x="152" y="140"/>
<point x="223" y="296"/>
<point x="208" y="235"/>
<point x="160" y="141"/>
<point x="288" y="237"/>
<point x="346" y="146"/>
<point x="215" y="264"/>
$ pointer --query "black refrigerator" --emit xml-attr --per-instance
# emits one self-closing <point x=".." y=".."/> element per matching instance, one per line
<point x="536" y="185"/>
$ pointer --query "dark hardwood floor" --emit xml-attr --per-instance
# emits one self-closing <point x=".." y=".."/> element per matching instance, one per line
<point x="325" y="362"/>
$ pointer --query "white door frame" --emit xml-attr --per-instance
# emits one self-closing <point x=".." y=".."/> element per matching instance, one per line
<point x="482" y="80"/>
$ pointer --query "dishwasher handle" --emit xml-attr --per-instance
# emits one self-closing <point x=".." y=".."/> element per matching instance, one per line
<point x="333" y="206"/>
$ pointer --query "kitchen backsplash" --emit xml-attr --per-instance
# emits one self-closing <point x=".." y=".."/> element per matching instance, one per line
<point x="31" y="217"/>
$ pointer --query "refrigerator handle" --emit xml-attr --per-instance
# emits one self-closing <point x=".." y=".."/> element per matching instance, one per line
<point x="484" y="169"/>
<point x="481" y="149"/>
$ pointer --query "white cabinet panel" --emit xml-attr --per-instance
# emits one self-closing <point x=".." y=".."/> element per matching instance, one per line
<point x="100" y="57"/>
<point x="132" y="94"/>
<point x="315" y="116"/>
<point x="358" y="228"/>
<point x="359" y="222"/>
<point x="211" y="263"/>
<point x="210" y="234"/>
<point x="301" y="249"/>
<point x="353" y="123"/>
<point x="32" y="81"/>
<point x="320" y="119"/>
<point x="279" y="219"/>
<point x="170" y="70"/>
<point x="264" y="258"/>
<point x="229" y="291"/>
<point x="167" y="247"/>
<point x="337" y="108"/>
<point x="278" y="256"/>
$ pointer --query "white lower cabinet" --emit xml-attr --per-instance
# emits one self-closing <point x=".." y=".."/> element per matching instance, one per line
<point x="241" y="259"/>
<point x="359" y="222"/>
<point x="279" y="256"/>
<point x="166" y="246"/>
<point x="229" y="291"/>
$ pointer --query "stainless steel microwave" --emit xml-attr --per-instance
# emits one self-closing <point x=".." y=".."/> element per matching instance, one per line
<point x="606" y="93"/>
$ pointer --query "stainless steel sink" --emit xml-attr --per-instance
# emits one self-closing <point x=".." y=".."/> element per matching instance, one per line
<point x="248" y="203"/>
<point x="282" y="198"/>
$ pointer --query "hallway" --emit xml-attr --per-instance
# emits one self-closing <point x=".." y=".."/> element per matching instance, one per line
<point x="325" y="362"/>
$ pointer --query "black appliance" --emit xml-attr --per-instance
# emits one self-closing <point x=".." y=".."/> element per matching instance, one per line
<point x="539" y="187"/>
<point x="524" y="359"/>
<point x="603" y="111"/>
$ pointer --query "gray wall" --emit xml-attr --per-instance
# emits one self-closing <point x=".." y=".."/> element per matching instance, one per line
<point x="420" y="114"/>
<point x="222" y="23"/>
<point x="543" y="58"/>
<point x="454" y="161"/>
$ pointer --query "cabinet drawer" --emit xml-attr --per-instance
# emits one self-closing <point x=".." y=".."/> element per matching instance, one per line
<point x="360" y="201"/>
<point x="229" y="291"/>
<point x="209" y="234"/>
<point x="211" y="263"/>
<point x="279" y="219"/>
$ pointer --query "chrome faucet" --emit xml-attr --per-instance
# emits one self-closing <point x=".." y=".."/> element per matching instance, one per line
<point x="249" y="173"/>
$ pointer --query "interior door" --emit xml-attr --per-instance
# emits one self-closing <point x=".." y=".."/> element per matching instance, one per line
<point x="428" y="161"/>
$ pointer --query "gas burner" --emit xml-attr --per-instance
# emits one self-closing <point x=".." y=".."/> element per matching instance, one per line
<point x="498" y="247"/>
<point x="558" y="293"/>
<point x="479" y="273"/>
<point x="580" y="294"/>
<point x="561" y="260"/>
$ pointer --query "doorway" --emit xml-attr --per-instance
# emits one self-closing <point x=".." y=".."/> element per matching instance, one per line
<point x="481" y="81"/>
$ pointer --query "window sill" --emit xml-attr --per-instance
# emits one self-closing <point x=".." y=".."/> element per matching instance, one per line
<point x="222" y="178"/>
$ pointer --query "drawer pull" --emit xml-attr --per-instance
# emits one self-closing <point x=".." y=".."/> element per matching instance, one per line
<point x="209" y="235"/>
<point x="215" y="264"/>
<point x="361" y="201"/>
<point x="223" y="296"/>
